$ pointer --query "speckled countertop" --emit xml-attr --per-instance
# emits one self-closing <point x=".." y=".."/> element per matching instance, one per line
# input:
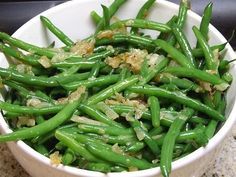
<point x="224" y="165"/>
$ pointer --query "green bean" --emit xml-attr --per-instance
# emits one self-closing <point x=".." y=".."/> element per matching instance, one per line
<point x="181" y="83"/>
<point x="98" y="82"/>
<point x="30" y="110"/>
<point x="126" y="109"/>
<point x="28" y="59"/>
<point x="182" y="15"/>
<point x="100" y="167"/>
<point x="112" y="10"/>
<point x="41" y="149"/>
<point x="135" y="147"/>
<point x="227" y="77"/>
<point x="169" y="23"/>
<point x="185" y="136"/>
<point x="37" y="80"/>
<point x="123" y="74"/>
<point x="209" y="57"/>
<point x="84" y="62"/>
<point x="198" y="52"/>
<point x="84" y="139"/>
<point x="156" y="131"/>
<point x="44" y="138"/>
<point x="95" y="70"/>
<point x="44" y="96"/>
<point x="69" y="78"/>
<point x="140" y="23"/>
<point x="14" y="85"/>
<point x="26" y="46"/>
<point x="106" y="16"/>
<point x="94" y="113"/>
<point x="77" y="147"/>
<point x="56" y="31"/>
<point x="224" y="65"/>
<point x="174" y="53"/>
<point x="119" y="139"/>
<point x="198" y="74"/>
<point x="44" y="127"/>
<point x="142" y="134"/>
<point x="110" y="156"/>
<point x="217" y="102"/>
<point x="199" y="120"/>
<point x="211" y="128"/>
<point x="167" y="117"/>
<point x="72" y="70"/>
<point x="60" y="146"/>
<point x="110" y="130"/>
<point x="184" y="44"/>
<point x="130" y="38"/>
<point x="109" y="91"/>
<point x="154" y="71"/>
<point x="206" y="18"/>
<point x="169" y="141"/>
<point x="95" y="17"/>
<point x="69" y="157"/>
<point x="143" y="13"/>
<point x="39" y="119"/>
<point x="221" y="106"/>
<point x="155" y="110"/>
<point x="179" y="98"/>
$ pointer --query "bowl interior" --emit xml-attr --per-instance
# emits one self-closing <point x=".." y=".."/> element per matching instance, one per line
<point x="74" y="19"/>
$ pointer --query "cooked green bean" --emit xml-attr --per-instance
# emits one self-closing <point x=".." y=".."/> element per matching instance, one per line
<point x="101" y="167"/>
<point x="95" y="17"/>
<point x="211" y="63"/>
<point x="206" y="18"/>
<point x="174" y="53"/>
<point x="112" y="10"/>
<point x="124" y="160"/>
<point x="56" y="31"/>
<point x="169" y="141"/>
<point x="184" y="44"/>
<point x="199" y="74"/>
<point x="182" y="15"/>
<point x="198" y="52"/>
<point x="142" y="134"/>
<point x="130" y="38"/>
<point x="68" y="157"/>
<point x="92" y="82"/>
<point x="9" y="51"/>
<point x="26" y="46"/>
<point x="106" y="93"/>
<point x="32" y="110"/>
<point x="143" y="24"/>
<point x="154" y="71"/>
<point x="155" y="110"/>
<point x="77" y="147"/>
<point x="98" y="115"/>
<point x="44" y="127"/>
<point x="181" y="83"/>
<point x="178" y="97"/>
<point x="143" y="13"/>
<point x="111" y="130"/>
<point x="120" y="99"/>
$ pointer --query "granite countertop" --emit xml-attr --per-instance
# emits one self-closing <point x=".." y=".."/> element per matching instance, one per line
<point x="223" y="166"/>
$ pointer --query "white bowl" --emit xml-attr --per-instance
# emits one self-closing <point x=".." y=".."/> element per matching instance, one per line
<point x="74" y="19"/>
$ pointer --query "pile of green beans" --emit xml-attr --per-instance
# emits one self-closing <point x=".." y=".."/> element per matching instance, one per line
<point x="118" y="100"/>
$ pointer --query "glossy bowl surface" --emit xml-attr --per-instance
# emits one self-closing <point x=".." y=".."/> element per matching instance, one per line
<point x="74" y="19"/>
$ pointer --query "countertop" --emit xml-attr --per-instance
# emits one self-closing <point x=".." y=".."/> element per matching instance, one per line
<point x="223" y="166"/>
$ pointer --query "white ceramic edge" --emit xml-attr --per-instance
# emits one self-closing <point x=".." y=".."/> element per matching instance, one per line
<point x="175" y="165"/>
